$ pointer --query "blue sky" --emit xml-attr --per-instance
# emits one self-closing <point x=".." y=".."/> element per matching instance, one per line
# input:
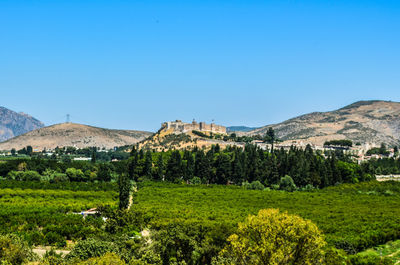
<point x="135" y="64"/>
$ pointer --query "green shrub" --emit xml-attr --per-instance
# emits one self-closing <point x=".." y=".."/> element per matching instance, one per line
<point x="369" y="259"/>
<point x="287" y="184"/>
<point x="107" y="259"/>
<point x="15" y="251"/>
<point x="91" y="248"/>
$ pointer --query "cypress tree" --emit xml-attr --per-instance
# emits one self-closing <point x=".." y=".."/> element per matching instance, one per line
<point x="124" y="186"/>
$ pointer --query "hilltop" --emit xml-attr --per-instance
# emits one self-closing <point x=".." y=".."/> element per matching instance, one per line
<point x="13" y="124"/>
<point x="372" y="122"/>
<point x="73" y="134"/>
<point x="180" y="135"/>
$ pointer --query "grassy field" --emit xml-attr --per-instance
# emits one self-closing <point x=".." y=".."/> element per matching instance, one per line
<point x="353" y="217"/>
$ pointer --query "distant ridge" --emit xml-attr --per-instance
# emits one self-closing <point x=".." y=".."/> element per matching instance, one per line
<point x="13" y="124"/>
<point x="73" y="134"/>
<point x="373" y="121"/>
<point x="240" y="129"/>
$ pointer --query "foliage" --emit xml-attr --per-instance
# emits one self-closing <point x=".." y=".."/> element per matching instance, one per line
<point x="107" y="259"/>
<point x="343" y="143"/>
<point x="42" y="213"/>
<point x="378" y="150"/>
<point x="91" y="248"/>
<point x="370" y="259"/>
<point x="287" y="184"/>
<point x="124" y="186"/>
<point x="273" y="237"/>
<point x="255" y="185"/>
<point x="343" y="213"/>
<point x="13" y="250"/>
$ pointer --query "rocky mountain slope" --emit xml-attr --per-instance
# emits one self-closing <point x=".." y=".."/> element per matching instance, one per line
<point x="13" y="124"/>
<point x="77" y="135"/>
<point x="364" y="122"/>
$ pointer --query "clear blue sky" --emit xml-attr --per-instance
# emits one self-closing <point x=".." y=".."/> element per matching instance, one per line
<point x="134" y="64"/>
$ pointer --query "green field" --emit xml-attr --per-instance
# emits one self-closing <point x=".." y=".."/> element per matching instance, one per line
<point x="353" y="217"/>
<point x="42" y="213"/>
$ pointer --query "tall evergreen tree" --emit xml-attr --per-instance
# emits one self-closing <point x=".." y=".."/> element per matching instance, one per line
<point x="148" y="165"/>
<point x="124" y="187"/>
<point x="174" y="167"/>
<point x="189" y="166"/>
<point x="160" y="167"/>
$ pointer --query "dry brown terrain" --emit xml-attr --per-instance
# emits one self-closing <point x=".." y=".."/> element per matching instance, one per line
<point x="167" y="139"/>
<point x="77" y="135"/>
<point x="372" y="122"/>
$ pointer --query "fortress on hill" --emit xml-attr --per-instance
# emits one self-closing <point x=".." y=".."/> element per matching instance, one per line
<point x="182" y="127"/>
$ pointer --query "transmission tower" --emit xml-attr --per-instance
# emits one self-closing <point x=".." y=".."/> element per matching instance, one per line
<point x="68" y="118"/>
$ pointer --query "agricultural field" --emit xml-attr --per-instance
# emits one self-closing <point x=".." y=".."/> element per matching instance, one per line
<point x="353" y="217"/>
<point x="390" y="250"/>
<point x="42" y="213"/>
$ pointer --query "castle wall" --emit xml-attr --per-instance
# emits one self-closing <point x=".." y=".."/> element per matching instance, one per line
<point x="182" y="127"/>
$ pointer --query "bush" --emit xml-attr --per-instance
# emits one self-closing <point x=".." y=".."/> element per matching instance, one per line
<point x="15" y="251"/>
<point x="54" y="238"/>
<point x="287" y="184"/>
<point x="255" y="185"/>
<point x="195" y="181"/>
<point x="272" y="238"/>
<point x="369" y="259"/>
<point x="91" y="248"/>
<point x="107" y="259"/>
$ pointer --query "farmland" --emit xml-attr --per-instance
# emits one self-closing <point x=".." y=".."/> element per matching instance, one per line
<point x="42" y="213"/>
<point x="353" y="217"/>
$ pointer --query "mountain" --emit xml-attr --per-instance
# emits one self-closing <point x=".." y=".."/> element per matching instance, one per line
<point x="73" y="134"/>
<point x="13" y="124"/>
<point x="239" y="129"/>
<point x="371" y="122"/>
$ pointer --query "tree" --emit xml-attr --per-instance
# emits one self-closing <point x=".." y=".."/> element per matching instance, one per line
<point x="74" y="174"/>
<point x="29" y="150"/>
<point x="148" y="164"/>
<point x="124" y="187"/>
<point x="174" y="167"/>
<point x="13" y="250"/>
<point x="188" y="171"/>
<point x="13" y="152"/>
<point x="132" y="164"/>
<point x="93" y="160"/>
<point x="223" y="168"/>
<point x="272" y="238"/>
<point x="104" y="172"/>
<point x="270" y="137"/>
<point x="286" y="183"/>
<point x="159" y="175"/>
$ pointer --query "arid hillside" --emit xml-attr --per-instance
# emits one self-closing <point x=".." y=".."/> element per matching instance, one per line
<point x="77" y="135"/>
<point x="364" y="122"/>
<point x="13" y="124"/>
<point x="166" y="139"/>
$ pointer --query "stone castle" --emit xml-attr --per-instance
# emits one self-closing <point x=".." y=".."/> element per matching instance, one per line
<point x="182" y="127"/>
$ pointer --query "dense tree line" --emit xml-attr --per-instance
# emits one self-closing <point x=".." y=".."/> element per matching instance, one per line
<point x="235" y="166"/>
<point x="232" y="165"/>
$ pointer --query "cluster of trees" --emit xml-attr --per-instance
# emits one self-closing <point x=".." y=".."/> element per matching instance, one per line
<point x="41" y="213"/>
<point x="65" y="153"/>
<point x="382" y="150"/>
<point x="39" y="169"/>
<point x="343" y="212"/>
<point x="342" y="143"/>
<point x="235" y="165"/>
<point x="270" y="237"/>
